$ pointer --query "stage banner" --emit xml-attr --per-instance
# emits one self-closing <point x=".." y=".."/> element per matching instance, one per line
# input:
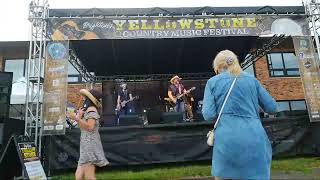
<point x="310" y="74"/>
<point x="55" y="88"/>
<point x="175" y="27"/>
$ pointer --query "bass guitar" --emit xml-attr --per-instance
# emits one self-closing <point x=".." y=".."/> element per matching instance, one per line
<point x="124" y="103"/>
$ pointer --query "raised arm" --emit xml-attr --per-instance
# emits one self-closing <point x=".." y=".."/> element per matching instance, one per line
<point x="88" y="125"/>
<point x="266" y="101"/>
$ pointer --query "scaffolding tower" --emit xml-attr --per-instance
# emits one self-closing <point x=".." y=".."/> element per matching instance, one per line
<point x="38" y="13"/>
<point x="312" y="8"/>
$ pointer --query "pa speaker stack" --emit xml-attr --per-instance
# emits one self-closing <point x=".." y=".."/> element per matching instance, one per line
<point x="5" y="94"/>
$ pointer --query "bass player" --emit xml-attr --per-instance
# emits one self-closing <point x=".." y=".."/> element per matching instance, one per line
<point x="124" y="95"/>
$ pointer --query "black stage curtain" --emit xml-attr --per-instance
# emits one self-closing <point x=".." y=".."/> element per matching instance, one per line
<point x="164" y="143"/>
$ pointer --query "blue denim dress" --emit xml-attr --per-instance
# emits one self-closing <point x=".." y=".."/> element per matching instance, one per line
<point x="241" y="149"/>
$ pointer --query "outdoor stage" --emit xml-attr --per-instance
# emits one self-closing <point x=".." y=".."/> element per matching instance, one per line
<point x="182" y="142"/>
<point x="145" y="48"/>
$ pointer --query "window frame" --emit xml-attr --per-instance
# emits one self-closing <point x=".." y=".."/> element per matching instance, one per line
<point x="74" y="76"/>
<point x="290" y="106"/>
<point x="284" y="70"/>
<point x="25" y="66"/>
<point x="16" y="59"/>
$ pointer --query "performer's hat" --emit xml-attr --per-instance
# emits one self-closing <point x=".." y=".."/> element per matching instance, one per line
<point x="94" y="95"/>
<point x="175" y="77"/>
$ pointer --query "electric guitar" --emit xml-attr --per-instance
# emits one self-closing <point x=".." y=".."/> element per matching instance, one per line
<point x="124" y="103"/>
<point x="179" y="96"/>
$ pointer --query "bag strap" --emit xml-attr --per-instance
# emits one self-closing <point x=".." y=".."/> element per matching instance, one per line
<point x="224" y="103"/>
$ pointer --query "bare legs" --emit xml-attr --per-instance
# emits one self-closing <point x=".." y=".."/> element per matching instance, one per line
<point x="86" y="171"/>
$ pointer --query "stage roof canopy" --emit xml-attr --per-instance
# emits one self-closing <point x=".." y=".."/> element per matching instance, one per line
<point x="162" y="56"/>
<point x="175" y="11"/>
<point x="157" y="56"/>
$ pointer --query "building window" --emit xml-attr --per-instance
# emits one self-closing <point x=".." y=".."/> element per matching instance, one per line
<point x="17" y="67"/>
<point x="283" y="106"/>
<point x="291" y="105"/>
<point x="283" y="64"/>
<point x="251" y="68"/>
<point x="73" y="75"/>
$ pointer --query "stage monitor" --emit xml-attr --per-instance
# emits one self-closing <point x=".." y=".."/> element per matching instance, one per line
<point x="171" y="117"/>
<point x="129" y="120"/>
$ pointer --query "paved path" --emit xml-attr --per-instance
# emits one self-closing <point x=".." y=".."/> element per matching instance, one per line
<point x="277" y="176"/>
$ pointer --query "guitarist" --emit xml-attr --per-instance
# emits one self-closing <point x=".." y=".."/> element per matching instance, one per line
<point x="124" y="95"/>
<point x="175" y="89"/>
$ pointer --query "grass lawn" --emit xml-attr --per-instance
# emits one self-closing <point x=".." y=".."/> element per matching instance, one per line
<point x="202" y="169"/>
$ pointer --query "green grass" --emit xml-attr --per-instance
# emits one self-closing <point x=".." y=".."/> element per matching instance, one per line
<point x="302" y="165"/>
<point x="176" y="171"/>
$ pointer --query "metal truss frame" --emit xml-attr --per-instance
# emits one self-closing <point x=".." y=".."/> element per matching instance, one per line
<point x="38" y="13"/>
<point x="312" y="8"/>
<point x="77" y="64"/>
<point x="154" y="77"/>
<point x="262" y="51"/>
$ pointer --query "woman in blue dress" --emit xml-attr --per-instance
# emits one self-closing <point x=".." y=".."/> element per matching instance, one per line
<point x="241" y="148"/>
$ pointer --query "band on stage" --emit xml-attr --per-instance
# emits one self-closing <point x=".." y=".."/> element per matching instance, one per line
<point x="179" y="99"/>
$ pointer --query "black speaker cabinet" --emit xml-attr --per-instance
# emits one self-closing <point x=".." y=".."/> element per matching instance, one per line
<point x="129" y="120"/>
<point x="198" y="116"/>
<point x="171" y="117"/>
<point x="154" y="116"/>
<point x="12" y="126"/>
<point x="5" y="94"/>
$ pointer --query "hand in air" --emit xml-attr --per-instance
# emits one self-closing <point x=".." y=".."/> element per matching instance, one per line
<point x="80" y="113"/>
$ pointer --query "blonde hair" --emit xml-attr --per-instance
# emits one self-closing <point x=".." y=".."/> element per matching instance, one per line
<point x="226" y="60"/>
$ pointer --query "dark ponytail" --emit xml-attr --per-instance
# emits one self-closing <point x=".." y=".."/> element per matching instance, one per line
<point x="88" y="103"/>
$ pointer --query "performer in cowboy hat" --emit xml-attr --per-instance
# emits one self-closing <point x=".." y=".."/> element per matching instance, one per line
<point x="91" y="151"/>
<point x="175" y="89"/>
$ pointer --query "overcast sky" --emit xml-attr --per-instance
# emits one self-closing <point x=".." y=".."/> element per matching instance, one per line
<point x="14" y="13"/>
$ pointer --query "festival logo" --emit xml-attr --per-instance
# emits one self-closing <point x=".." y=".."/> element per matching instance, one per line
<point x="307" y="64"/>
<point x="301" y="55"/>
<point x="57" y="51"/>
<point x="153" y="139"/>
